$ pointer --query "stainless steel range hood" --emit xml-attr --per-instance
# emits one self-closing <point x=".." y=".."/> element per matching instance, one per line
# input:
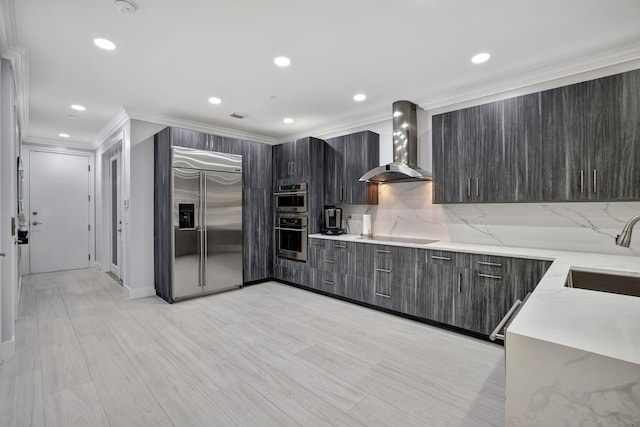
<point x="405" y="149"/>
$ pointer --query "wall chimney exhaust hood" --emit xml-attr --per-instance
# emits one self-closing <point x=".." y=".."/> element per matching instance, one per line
<point x="405" y="150"/>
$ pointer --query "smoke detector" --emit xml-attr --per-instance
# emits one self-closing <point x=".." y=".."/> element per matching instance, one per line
<point x="125" y="6"/>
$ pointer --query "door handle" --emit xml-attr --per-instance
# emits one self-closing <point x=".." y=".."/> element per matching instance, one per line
<point x="36" y="223"/>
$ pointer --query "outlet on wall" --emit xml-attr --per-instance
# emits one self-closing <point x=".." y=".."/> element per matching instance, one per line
<point x="481" y="221"/>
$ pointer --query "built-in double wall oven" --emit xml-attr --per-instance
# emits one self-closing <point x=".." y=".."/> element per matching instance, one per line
<point x="291" y="221"/>
<point x="291" y="199"/>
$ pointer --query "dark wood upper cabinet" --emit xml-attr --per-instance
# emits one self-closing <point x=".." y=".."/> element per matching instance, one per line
<point x="346" y="159"/>
<point x="574" y="143"/>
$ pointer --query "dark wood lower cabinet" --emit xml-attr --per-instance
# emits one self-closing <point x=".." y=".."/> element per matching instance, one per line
<point x="359" y="289"/>
<point x="468" y="291"/>
<point x="435" y="289"/>
<point x="292" y="271"/>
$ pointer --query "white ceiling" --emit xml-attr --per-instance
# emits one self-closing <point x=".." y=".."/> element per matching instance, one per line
<point x="173" y="55"/>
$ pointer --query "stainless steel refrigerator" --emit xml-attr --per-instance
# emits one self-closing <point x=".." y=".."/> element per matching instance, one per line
<point x="207" y="222"/>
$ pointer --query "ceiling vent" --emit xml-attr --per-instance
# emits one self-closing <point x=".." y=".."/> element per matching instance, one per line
<point x="239" y="116"/>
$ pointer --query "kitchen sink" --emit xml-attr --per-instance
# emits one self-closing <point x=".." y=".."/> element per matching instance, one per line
<point x="604" y="282"/>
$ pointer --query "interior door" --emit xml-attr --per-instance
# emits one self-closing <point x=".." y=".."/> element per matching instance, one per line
<point x="116" y="213"/>
<point x="59" y="217"/>
<point x="187" y="238"/>
<point x="3" y="253"/>
<point x="223" y="222"/>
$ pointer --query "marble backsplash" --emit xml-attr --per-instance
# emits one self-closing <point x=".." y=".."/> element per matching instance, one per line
<point x="406" y="210"/>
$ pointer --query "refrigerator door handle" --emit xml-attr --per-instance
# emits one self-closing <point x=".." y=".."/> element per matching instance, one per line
<point x="202" y="217"/>
<point x="203" y="202"/>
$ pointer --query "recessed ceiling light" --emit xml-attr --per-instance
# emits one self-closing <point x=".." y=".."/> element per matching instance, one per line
<point x="78" y="107"/>
<point x="282" y="61"/>
<point x="63" y="135"/>
<point x="359" y="97"/>
<point x="480" y="58"/>
<point x="215" y="100"/>
<point x="288" y="120"/>
<point x="104" y="44"/>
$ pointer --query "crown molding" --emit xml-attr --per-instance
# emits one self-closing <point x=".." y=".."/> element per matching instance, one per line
<point x="56" y="143"/>
<point x="548" y="74"/>
<point x="8" y="31"/>
<point x="19" y="59"/>
<point x="204" y="127"/>
<point x="323" y="132"/>
<point x="114" y="125"/>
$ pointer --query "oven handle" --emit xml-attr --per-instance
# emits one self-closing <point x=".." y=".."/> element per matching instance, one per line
<point x="291" y="229"/>
<point x="290" y="193"/>
<point x="495" y="335"/>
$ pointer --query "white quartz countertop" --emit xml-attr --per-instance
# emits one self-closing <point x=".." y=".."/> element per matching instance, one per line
<point x="597" y="322"/>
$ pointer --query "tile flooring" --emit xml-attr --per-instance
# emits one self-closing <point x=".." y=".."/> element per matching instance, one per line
<point x="266" y="355"/>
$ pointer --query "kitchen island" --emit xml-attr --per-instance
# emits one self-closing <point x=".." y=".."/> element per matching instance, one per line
<point x="572" y="355"/>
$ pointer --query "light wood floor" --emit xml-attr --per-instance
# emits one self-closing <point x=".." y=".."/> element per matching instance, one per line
<point x="266" y="355"/>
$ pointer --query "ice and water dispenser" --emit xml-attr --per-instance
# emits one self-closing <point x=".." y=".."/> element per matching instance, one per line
<point x="186" y="216"/>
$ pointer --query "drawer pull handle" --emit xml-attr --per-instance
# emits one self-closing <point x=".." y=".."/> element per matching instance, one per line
<point x="382" y="270"/>
<point x="383" y="295"/>
<point x="492" y="264"/>
<point x="318" y="243"/>
<point x="328" y="282"/>
<point x="489" y="276"/>
<point x="381" y="251"/>
<point x="495" y="334"/>
<point x="328" y="261"/>
<point x="341" y="246"/>
<point x="444" y="258"/>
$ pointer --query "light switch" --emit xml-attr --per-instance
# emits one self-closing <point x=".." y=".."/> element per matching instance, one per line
<point x="126" y="203"/>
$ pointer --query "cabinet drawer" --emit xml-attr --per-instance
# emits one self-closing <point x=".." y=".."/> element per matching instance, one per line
<point x="454" y="259"/>
<point x="383" y="281"/>
<point x="316" y="251"/>
<point x="343" y="255"/>
<point x="491" y="264"/>
<point x="383" y="256"/>
<point x="384" y="299"/>
<point x="328" y="281"/>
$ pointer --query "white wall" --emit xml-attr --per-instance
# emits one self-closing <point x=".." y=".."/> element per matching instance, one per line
<point x="8" y="210"/>
<point x="141" y="242"/>
<point x="406" y="210"/>
<point x="136" y="139"/>
<point x="142" y="218"/>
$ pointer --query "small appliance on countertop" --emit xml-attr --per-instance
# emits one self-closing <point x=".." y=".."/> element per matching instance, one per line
<point x="332" y="221"/>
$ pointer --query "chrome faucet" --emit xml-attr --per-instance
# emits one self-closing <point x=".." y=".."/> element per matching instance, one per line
<point x="624" y="238"/>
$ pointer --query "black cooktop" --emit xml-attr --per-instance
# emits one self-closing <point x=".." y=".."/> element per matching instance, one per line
<point x="399" y="239"/>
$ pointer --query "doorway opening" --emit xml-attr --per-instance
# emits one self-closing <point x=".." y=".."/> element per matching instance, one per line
<point x="115" y="210"/>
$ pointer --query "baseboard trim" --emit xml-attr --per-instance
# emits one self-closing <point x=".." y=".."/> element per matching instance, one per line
<point x="7" y="349"/>
<point x="257" y="282"/>
<point x="135" y="293"/>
